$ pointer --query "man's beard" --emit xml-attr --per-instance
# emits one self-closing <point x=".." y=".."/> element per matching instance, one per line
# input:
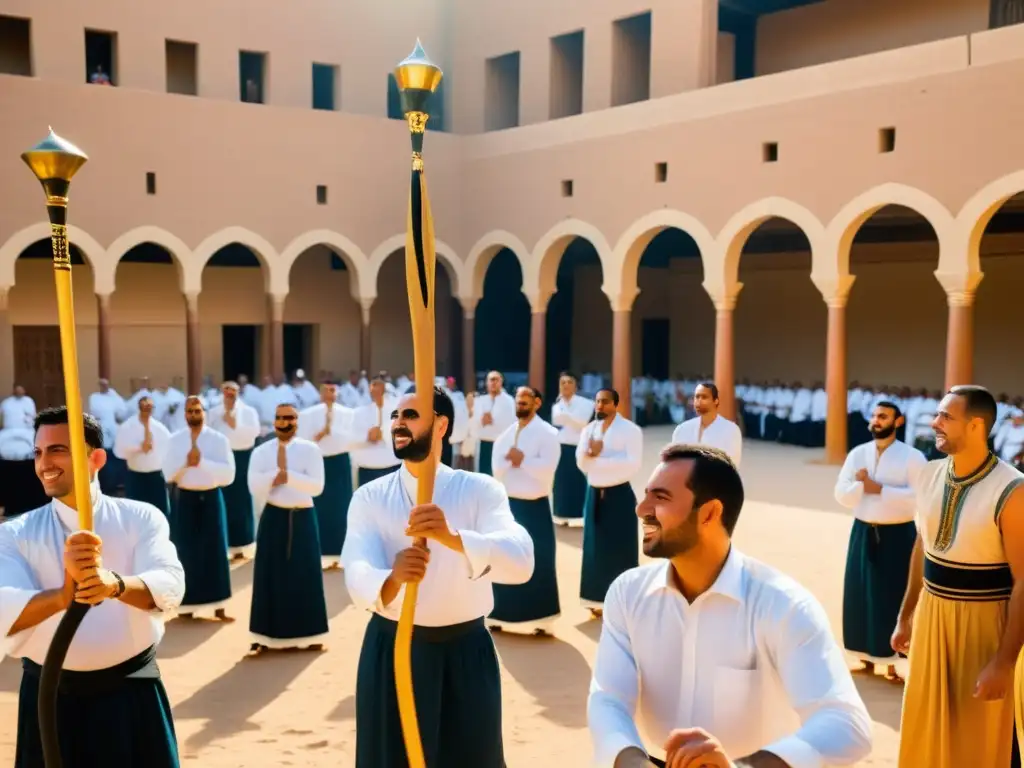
<point x="417" y="450"/>
<point x="523" y="413"/>
<point x="669" y="544"/>
<point x="285" y="433"/>
<point x="882" y="433"/>
<point x="600" y="415"/>
<point x="195" y="422"/>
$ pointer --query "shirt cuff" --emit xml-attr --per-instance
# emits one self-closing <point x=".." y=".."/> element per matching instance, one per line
<point x="13" y="603"/>
<point x="612" y="745"/>
<point x="796" y="752"/>
<point x="167" y="593"/>
<point x="477" y="549"/>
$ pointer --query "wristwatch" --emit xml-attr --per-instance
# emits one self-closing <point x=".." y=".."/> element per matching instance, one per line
<point x="120" y="584"/>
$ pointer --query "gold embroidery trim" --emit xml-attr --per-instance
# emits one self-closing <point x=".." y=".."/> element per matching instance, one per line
<point x="954" y="493"/>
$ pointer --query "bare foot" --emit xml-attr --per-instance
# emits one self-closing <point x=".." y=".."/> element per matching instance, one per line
<point x="892" y="675"/>
<point x="221" y="614"/>
<point x="317" y="647"/>
<point x="185" y="616"/>
<point x="867" y="668"/>
<point x="596" y="613"/>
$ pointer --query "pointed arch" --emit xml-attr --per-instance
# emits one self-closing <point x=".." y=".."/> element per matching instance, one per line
<point x="262" y="248"/>
<point x="540" y="279"/>
<point x="483" y="252"/>
<point x="180" y="253"/>
<point x="346" y="249"/>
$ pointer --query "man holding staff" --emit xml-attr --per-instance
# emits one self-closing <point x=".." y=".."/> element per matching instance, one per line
<point x="473" y="541"/>
<point x="112" y="708"/>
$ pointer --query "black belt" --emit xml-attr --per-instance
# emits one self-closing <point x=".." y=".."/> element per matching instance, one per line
<point x="974" y="582"/>
<point x="431" y="634"/>
<point x="97" y="681"/>
<point x="291" y="524"/>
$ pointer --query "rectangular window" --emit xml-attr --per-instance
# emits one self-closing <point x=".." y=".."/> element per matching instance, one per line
<point x="182" y="61"/>
<point x="326" y="78"/>
<point x="566" y="75"/>
<point x="252" y="76"/>
<point x="100" y="57"/>
<point x="15" y="46"/>
<point x="501" y="97"/>
<point x="150" y="183"/>
<point x="631" y="59"/>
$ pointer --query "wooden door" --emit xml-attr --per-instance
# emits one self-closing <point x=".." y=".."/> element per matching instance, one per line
<point x="37" y="363"/>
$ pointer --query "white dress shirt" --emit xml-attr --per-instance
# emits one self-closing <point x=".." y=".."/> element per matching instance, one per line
<point x="17" y="443"/>
<point x="457" y="587"/>
<point x="620" y="457"/>
<point x="305" y="474"/>
<point x="247" y="425"/>
<point x="800" y="410"/>
<point x="534" y="478"/>
<point x="339" y="439"/>
<point x="379" y="455"/>
<point x="502" y="408"/>
<point x="819" y="405"/>
<point x="128" y="444"/>
<point x="460" y="427"/>
<point x="351" y="396"/>
<point x="720" y="433"/>
<point x="216" y="467"/>
<point x="136" y="542"/>
<point x="571" y="418"/>
<point x="18" y="412"/>
<point x="892" y="470"/>
<point x="109" y="409"/>
<point x="753" y="661"/>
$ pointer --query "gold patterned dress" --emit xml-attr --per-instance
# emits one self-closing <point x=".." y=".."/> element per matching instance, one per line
<point x="959" y="620"/>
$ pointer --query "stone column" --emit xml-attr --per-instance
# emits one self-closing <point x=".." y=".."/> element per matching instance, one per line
<point x="193" y="348"/>
<point x="538" y="339"/>
<point x="468" y="383"/>
<point x="364" y="335"/>
<point x="622" y="349"/>
<point x="6" y="343"/>
<point x="960" y="291"/>
<point x="275" y="334"/>
<point x="835" y="291"/>
<point x="103" y="334"/>
<point x="724" y="299"/>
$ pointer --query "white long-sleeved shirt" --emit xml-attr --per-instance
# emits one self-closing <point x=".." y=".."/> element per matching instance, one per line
<point x="571" y="418"/>
<point x="620" y="457"/>
<point x="720" y="433"/>
<point x="18" y="412"/>
<point x="216" y="468"/>
<point x="352" y="396"/>
<point x="136" y="542"/>
<point x="247" y="425"/>
<point x="17" y="444"/>
<point x="457" y="587"/>
<point x="892" y="470"/>
<point x="534" y="478"/>
<point x="381" y="454"/>
<point x="305" y="474"/>
<point x="339" y="439"/>
<point x="109" y="409"/>
<point x="460" y="427"/>
<point x="753" y="661"/>
<point x="502" y="408"/>
<point x="128" y="444"/>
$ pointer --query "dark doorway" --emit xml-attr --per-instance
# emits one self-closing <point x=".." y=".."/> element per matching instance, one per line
<point x="37" y="363"/>
<point x="654" y="345"/>
<point x="239" y="344"/>
<point x="298" y="348"/>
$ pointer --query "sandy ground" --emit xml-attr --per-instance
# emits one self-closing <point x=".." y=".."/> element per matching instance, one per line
<point x="299" y="709"/>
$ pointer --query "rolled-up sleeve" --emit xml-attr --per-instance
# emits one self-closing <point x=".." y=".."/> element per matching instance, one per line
<point x="363" y="557"/>
<point x="17" y="587"/>
<point x="498" y="546"/>
<point x="156" y="561"/>
<point x="614" y="687"/>
<point x="835" y="726"/>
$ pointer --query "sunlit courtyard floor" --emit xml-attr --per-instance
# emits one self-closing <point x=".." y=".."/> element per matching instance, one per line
<point x="299" y="709"/>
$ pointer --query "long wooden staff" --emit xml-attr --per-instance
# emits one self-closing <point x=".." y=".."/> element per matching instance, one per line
<point x="417" y="77"/>
<point x="55" y="161"/>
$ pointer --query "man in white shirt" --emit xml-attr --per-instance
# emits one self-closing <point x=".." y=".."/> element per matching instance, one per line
<point x="372" y="452"/>
<point x="329" y="426"/>
<point x="127" y="570"/>
<point x="18" y="410"/>
<point x="731" y="663"/>
<point x="474" y="542"/>
<point x="570" y="414"/>
<point x="709" y="427"/>
<point x="494" y="412"/>
<point x="109" y="409"/>
<point x="460" y="429"/>
<point x="142" y="442"/>
<point x="525" y="458"/>
<point x="609" y="454"/>
<point x="289" y="609"/>
<point x="199" y="462"/>
<point x="240" y="424"/>
<point x="875" y="483"/>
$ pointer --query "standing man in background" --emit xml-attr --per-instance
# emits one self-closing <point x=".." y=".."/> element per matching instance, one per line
<point x="570" y="414"/>
<point x="709" y="427"/>
<point x="372" y="452"/>
<point x="240" y="424"/>
<point x="494" y="412"/>
<point x="109" y="409"/>
<point x="142" y="442"/>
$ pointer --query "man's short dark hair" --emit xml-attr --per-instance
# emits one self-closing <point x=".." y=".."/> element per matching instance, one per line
<point x="890" y="404"/>
<point x="711" y="387"/>
<point x="443" y="406"/>
<point x="978" y="403"/>
<point x="533" y="391"/>
<point x="714" y="476"/>
<point x="612" y="392"/>
<point x="567" y="375"/>
<point x="49" y="417"/>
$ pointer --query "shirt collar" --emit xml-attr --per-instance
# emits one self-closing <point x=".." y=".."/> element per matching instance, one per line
<point x="410" y="482"/>
<point x="69" y="516"/>
<point x="729" y="582"/>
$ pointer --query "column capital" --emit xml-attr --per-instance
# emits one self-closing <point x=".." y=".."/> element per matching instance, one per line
<point x="724" y="296"/>
<point x="539" y="300"/>
<point x="5" y="291"/>
<point x="623" y="300"/>
<point x="192" y="301"/>
<point x="365" y="305"/>
<point x="104" y="299"/>
<point x="277" y="306"/>
<point x="960" y="287"/>
<point x="469" y="306"/>
<point x="834" y="288"/>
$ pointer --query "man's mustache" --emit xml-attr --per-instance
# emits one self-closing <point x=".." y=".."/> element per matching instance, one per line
<point x="401" y="432"/>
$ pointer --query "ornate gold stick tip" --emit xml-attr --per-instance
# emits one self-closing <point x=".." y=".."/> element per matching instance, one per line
<point x="54" y="159"/>
<point x="417" y="72"/>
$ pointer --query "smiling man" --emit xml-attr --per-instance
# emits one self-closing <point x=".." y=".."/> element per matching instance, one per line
<point x="474" y="542"/>
<point x="128" y="570"/>
<point x="732" y="664"/>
